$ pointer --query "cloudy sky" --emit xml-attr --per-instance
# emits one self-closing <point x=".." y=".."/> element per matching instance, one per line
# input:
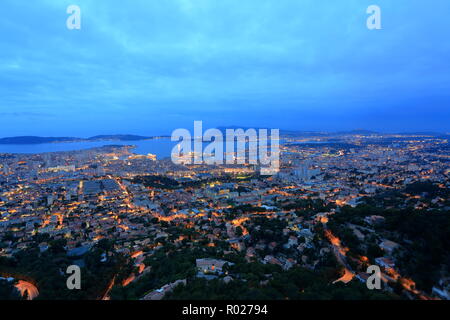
<point x="147" y="67"/>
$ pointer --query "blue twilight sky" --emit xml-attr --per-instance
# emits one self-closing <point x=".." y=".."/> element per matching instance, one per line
<point x="147" y="67"/>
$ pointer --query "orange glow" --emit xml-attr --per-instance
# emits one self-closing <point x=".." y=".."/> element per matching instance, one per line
<point x="335" y="241"/>
<point x="347" y="277"/>
<point x="173" y="217"/>
<point x="238" y="223"/>
<point x="407" y="284"/>
<point x="364" y="259"/>
<point x="141" y="267"/>
<point x="136" y="254"/>
<point x="128" y="280"/>
<point x="23" y="286"/>
<point x="323" y="219"/>
<point x="110" y="286"/>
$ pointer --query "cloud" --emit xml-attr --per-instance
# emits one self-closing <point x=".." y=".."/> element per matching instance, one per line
<point x="301" y="59"/>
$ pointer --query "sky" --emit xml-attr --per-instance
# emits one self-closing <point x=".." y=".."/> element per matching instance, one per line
<point x="148" y="67"/>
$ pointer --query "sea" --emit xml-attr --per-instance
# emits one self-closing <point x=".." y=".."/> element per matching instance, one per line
<point x="161" y="147"/>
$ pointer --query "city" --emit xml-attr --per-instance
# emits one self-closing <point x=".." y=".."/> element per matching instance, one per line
<point x="221" y="159"/>
<point x="145" y="228"/>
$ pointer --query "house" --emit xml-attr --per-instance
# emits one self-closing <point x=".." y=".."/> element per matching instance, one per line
<point x="211" y="265"/>
<point x="43" y="246"/>
<point x="443" y="289"/>
<point x="307" y="234"/>
<point x="374" y="220"/>
<point x="237" y="244"/>
<point x="161" y="235"/>
<point x="289" y="263"/>
<point x="441" y="293"/>
<point x="250" y="253"/>
<point x="160" y="293"/>
<point x="385" y="262"/>
<point x="79" y="251"/>
<point x="363" y="276"/>
<point x="292" y="241"/>
<point x="9" y="279"/>
<point x="271" y="260"/>
<point x="389" y="246"/>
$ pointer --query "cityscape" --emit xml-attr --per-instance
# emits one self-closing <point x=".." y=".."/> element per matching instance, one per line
<point x="145" y="228"/>
<point x="215" y="158"/>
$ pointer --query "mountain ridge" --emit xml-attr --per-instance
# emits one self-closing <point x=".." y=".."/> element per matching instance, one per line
<point x="131" y="137"/>
<point x="42" y="140"/>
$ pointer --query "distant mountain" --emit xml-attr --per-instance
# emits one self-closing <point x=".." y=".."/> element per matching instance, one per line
<point x="422" y="133"/>
<point x="282" y="131"/>
<point x="304" y="134"/>
<point x="36" y="140"/>
<point x="131" y="137"/>
<point x="41" y="140"/>
<point x="358" y="131"/>
<point x="120" y="137"/>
